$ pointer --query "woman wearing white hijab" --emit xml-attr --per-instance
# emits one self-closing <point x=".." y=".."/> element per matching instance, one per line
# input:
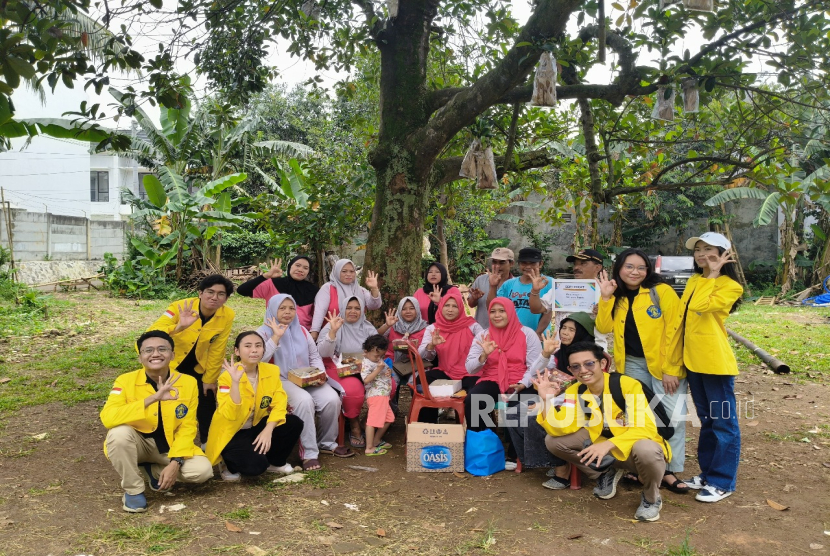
<point x="290" y="346"/>
<point x="342" y="286"/>
<point x="344" y="335"/>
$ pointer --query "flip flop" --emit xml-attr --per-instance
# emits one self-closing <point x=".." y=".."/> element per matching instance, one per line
<point x="376" y="452"/>
<point x="357" y="442"/>
<point x="339" y="452"/>
<point x="311" y="465"/>
<point x="385" y="445"/>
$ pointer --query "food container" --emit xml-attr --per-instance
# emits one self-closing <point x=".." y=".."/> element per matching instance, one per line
<point x="305" y="377"/>
<point x="403" y="345"/>
<point x="349" y="366"/>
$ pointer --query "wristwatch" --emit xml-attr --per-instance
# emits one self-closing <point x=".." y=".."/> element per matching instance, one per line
<point x="180" y="461"/>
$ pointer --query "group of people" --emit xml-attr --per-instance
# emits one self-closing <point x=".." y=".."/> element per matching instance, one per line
<point x="516" y="353"/>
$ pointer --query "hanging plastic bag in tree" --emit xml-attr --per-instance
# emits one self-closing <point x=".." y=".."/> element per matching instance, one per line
<point x="469" y="166"/>
<point x="691" y="95"/>
<point x="487" y="171"/>
<point x="700" y="5"/>
<point x="544" y="84"/>
<point x="664" y="107"/>
<point x="392" y="7"/>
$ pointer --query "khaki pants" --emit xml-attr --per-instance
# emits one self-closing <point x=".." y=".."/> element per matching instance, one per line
<point x="126" y="449"/>
<point x="646" y="460"/>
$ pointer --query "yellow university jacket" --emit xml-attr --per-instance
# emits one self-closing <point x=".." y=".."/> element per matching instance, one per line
<point x="655" y="325"/>
<point x="125" y="406"/>
<point x="637" y="423"/>
<point x="212" y="338"/>
<point x="269" y="401"/>
<point x="702" y="344"/>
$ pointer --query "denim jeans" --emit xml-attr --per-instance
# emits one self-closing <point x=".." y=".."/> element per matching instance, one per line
<point x="675" y="406"/>
<point x="719" y="447"/>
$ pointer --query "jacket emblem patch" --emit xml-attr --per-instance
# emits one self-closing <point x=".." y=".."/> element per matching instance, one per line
<point x="266" y="401"/>
<point x="181" y="411"/>
<point x="654" y="312"/>
<point x="212" y="339"/>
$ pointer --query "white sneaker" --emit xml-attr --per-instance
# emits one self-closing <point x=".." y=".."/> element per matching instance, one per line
<point x="711" y="493"/>
<point x="695" y="482"/>
<point x="286" y="469"/>
<point x="510" y="465"/>
<point x="226" y="475"/>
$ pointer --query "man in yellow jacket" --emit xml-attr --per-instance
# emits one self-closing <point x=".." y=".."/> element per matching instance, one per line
<point x="201" y="327"/>
<point x="151" y="417"/>
<point x="602" y="439"/>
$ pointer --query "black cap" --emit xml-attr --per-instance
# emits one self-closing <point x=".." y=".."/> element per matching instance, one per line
<point x="586" y="255"/>
<point x="530" y="255"/>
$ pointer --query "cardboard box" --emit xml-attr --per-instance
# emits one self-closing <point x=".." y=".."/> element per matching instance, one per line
<point x="403" y="345"/>
<point x="444" y="388"/>
<point x="432" y="448"/>
<point x="305" y="377"/>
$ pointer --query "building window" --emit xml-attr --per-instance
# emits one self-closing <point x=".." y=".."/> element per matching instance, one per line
<point x="142" y="193"/>
<point x="99" y="187"/>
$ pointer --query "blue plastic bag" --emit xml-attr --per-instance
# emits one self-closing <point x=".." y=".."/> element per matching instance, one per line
<point x="483" y="453"/>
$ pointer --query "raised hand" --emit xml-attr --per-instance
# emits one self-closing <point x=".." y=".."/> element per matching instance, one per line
<point x="166" y="392"/>
<point x="277" y="328"/>
<point x="235" y="371"/>
<point x="276" y="269"/>
<point x="435" y="294"/>
<point x="437" y="338"/>
<point x="335" y="321"/>
<point x="391" y="318"/>
<point x="371" y="280"/>
<point x="549" y="343"/>
<point x="474" y="294"/>
<point x="538" y="282"/>
<point x="546" y="387"/>
<point x="494" y="278"/>
<point x="488" y="346"/>
<point x="606" y="287"/>
<point x="187" y="316"/>
<point x="716" y="262"/>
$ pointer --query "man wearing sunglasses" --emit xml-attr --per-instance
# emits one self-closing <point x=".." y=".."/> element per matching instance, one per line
<point x="201" y="327"/>
<point x="590" y="430"/>
<point x="151" y="417"/>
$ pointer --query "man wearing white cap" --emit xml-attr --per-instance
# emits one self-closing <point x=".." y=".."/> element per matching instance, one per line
<point x="501" y="263"/>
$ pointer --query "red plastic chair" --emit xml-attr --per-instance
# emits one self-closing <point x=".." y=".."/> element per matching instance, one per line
<point x="427" y="400"/>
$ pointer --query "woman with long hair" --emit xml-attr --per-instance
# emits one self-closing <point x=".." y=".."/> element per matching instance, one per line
<point x="642" y="313"/>
<point x="436" y="286"/>
<point x="701" y="344"/>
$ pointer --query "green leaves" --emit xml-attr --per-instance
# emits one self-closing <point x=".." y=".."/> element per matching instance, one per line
<point x="736" y="193"/>
<point x="155" y="190"/>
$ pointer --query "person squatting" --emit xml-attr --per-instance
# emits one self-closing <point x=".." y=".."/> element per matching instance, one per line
<point x="190" y="408"/>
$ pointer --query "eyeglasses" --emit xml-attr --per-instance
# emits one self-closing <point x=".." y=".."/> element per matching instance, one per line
<point x="589" y="366"/>
<point x="630" y="267"/>
<point x="162" y="350"/>
<point x="216" y="294"/>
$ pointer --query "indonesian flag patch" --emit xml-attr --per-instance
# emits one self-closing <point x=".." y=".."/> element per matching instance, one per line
<point x="224" y="389"/>
<point x="169" y="314"/>
<point x="569" y="402"/>
<point x="115" y="391"/>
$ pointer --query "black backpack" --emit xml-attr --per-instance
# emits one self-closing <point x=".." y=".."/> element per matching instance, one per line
<point x="660" y="416"/>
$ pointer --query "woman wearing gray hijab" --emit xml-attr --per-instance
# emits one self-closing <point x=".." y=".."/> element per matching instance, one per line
<point x="290" y="346"/>
<point x="342" y="286"/>
<point x="344" y="335"/>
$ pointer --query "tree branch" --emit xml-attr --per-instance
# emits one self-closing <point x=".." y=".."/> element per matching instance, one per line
<point x="373" y="20"/>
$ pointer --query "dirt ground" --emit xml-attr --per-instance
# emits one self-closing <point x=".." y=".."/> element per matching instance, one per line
<point x="59" y="495"/>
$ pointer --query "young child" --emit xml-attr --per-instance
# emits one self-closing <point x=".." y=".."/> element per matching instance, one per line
<point x="377" y="378"/>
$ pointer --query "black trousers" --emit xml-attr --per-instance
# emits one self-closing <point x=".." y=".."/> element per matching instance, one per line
<point x="239" y="454"/>
<point x="429" y="414"/>
<point x="206" y="407"/>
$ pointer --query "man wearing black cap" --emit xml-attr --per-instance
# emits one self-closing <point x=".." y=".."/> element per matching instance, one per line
<point x="519" y="290"/>
<point x="587" y="265"/>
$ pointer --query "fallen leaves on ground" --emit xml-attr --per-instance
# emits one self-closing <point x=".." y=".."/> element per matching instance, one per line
<point x="776" y="506"/>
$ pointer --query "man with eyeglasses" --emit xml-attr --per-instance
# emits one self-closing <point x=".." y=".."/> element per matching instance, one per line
<point x="201" y="327"/>
<point x="151" y="417"/>
<point x="501" y="270"/>
<point x="590" y="430"/>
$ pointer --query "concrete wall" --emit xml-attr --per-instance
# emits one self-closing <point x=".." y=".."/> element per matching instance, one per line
<point x="753" y="244"/>
<point x="40" y="236"/>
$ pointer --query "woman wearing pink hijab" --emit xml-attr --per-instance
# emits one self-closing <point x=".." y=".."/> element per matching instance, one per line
<point x="503" y="354"/>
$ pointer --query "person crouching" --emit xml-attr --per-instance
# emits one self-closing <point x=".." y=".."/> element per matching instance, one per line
<point x="251" y="430"/>
<point x="591" y="430"/>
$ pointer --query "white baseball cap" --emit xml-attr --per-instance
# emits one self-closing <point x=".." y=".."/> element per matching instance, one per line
<point x="712" y="238"/>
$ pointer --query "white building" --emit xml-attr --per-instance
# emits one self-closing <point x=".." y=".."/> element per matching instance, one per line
<point x="61" y="176"/>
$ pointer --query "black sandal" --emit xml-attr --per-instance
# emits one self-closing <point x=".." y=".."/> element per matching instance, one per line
<point x="673" y="486"/>
<point x="632" y="478"/>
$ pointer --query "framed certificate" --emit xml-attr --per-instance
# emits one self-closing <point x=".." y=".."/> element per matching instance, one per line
<point x="575" y="295"/>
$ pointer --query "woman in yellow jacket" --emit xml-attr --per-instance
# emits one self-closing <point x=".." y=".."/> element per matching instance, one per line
<point x="642" y="313"/>
<point x="251" y="431"/>
<point x="701" y="344"/>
